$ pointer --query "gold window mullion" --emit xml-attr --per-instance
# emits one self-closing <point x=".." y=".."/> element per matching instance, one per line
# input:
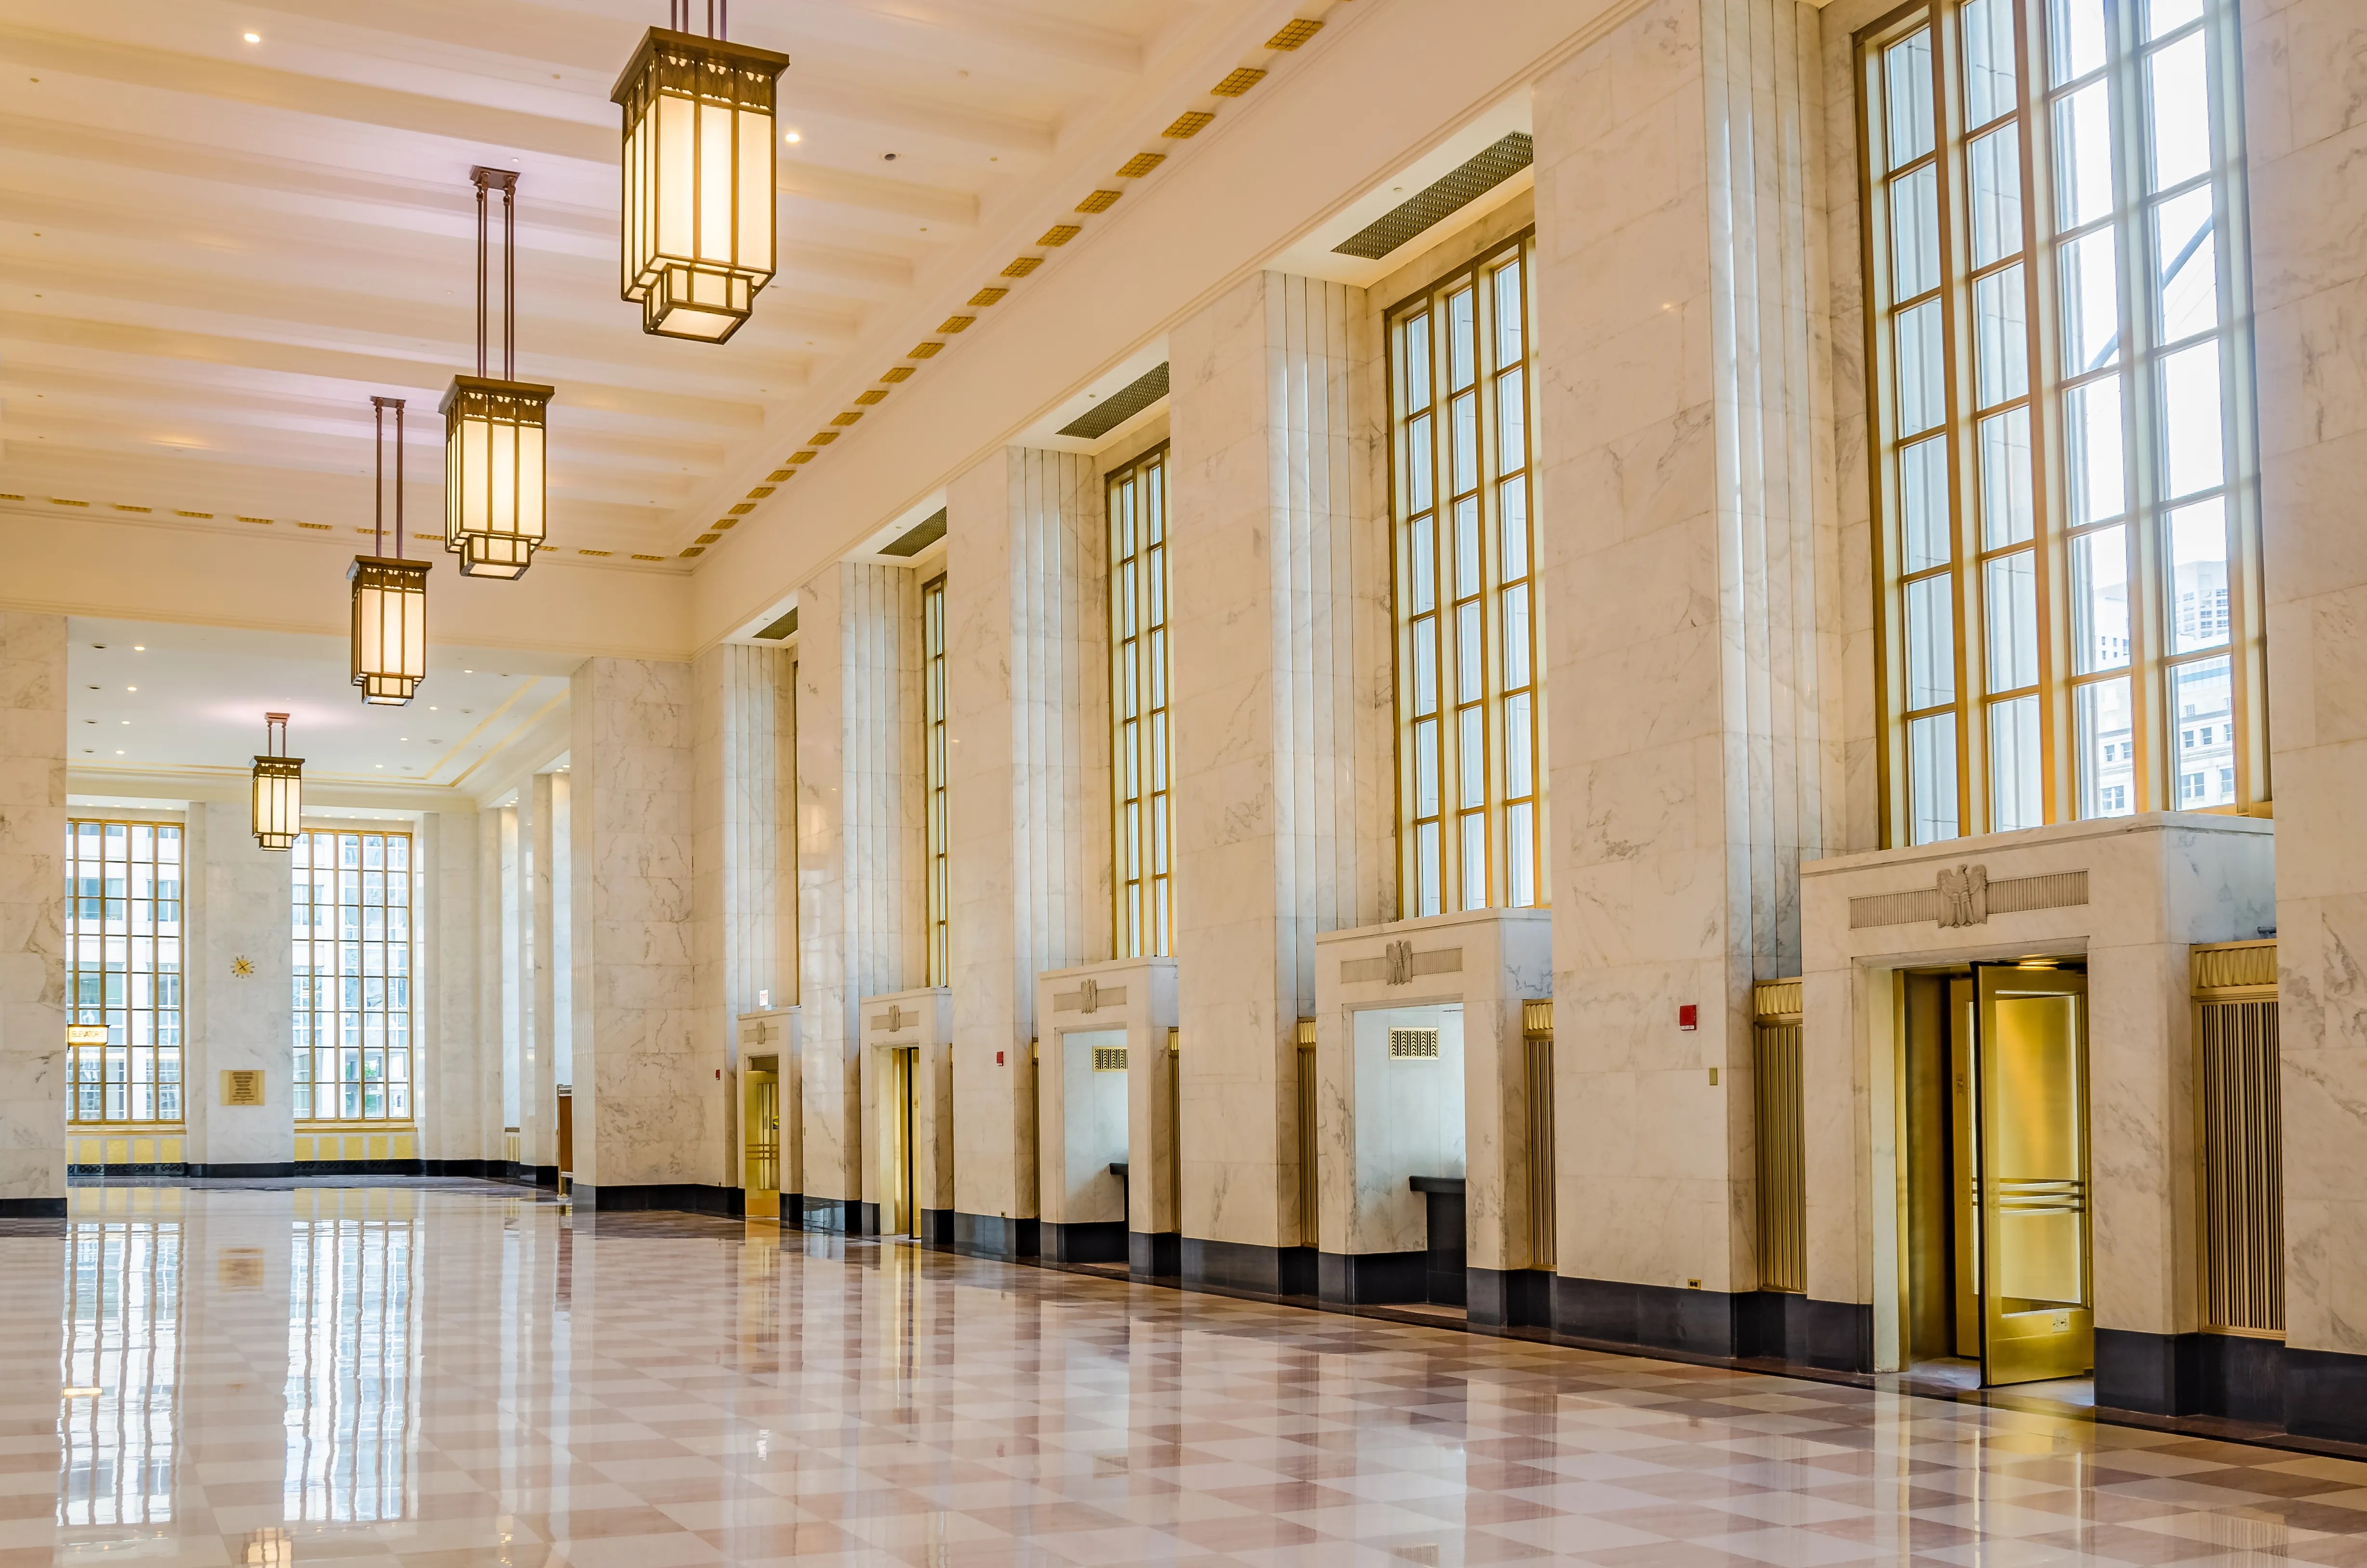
<point x="1959" y="399"/>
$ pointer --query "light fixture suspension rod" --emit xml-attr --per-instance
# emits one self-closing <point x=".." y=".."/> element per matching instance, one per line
<point x="274" y="734"/>
<point x="480" y="174"/>
<point x="379" y="405"/>
<point x="377" y="484"/>
<point x="719" y="17"/>
<point x="485" y="180"/>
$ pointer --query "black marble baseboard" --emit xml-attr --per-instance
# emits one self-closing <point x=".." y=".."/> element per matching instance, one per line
<point x="997" y="1236"/>
<point x="1372" y="1279"/>
<point x="936" y="1227"/>
<point x="1651" y="1317"/>
<point x="249" y="1170"/>
<point x="1154" y="1255"/>
<point x="96" y="1176"/>
<point x="32" y="1208"/>
<point x="1509" y="1298"/>
<point x="840" y="1216"/>
<point x="682" y="1197"/>
<point x="1245" y="1268"/>
<point x="1092" y="1241"/>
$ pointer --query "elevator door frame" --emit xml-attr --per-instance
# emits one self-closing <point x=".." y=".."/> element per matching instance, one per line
<point x="901" y="1216"/>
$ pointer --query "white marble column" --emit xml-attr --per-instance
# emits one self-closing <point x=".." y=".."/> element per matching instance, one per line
<point x="859" y="847"/>
<point x="533" y="1099"/>
<point x="1282" y="729"/>
<point x="744" y="848"/>
<point x="32" y="915"/>
<point x="1027" y="727"/>
<point x="649" y="1090"/>
<point x="1685" y="448"/>
<point x="237" y="906"/>
<point x="2306" y="116"/>
<point x="539" y="845"/>
<point x="457" y="1122"/>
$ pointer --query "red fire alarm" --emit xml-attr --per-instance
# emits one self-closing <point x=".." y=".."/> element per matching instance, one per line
<point x="998" y="1058"/>
<point x="1688" y="1016"/>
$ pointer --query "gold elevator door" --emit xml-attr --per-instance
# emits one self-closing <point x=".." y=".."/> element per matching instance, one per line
<point x="2038" y="1315"/>
<point x="761" y="1141"/>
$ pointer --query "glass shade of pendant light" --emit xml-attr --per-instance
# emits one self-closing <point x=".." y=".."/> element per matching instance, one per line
<point x="698" y="203"/>
<point x="494" y="479"/>
<point x="390" y="594"/>
<point x="278" y="787"/>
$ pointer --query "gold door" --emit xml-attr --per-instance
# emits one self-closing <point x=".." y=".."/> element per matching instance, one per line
<point x="761" y="1146"/>
<point x="2037" y="1312"/>
<point x="906" y="1219"/>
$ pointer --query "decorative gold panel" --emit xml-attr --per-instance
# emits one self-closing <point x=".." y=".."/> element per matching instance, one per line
<point x="1539" y="1050"/>
<point x="1413" y="1045"/>
<point x="1307" y="1228"/>
<point x="2239" y="1138"/>
<point x="1536" y="1016"/>
<point x="1783" y="1166"/>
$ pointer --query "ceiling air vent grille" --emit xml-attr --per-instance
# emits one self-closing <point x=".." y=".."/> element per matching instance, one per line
<point x="922" y="535"/>
<point x="1428" y="208"/>
<point x="1413" y="1045"/>
<point x="1119" y="407"/>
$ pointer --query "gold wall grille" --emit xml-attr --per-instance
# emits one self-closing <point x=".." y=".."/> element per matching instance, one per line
<point x="1109" y="1059"/>
<point x="1413" y="1045"/>
<point x="1772" y="1000"/>
<point x="2240" y="1134"/>
<point x="1539" y="1048"/>
<point x="1536" y="1016"/>
<point x="1308" y="1233"/>
<point x="1783" y="1174"/>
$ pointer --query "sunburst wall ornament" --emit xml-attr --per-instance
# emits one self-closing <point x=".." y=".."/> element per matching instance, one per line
<point x="389" y="593"/>
<point x="495" y="473"/>
<point x="699" y="207"/>
<point x="242" y="966"/>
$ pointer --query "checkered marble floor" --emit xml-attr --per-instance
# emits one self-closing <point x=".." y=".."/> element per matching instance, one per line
<point x="472" y="1377"/>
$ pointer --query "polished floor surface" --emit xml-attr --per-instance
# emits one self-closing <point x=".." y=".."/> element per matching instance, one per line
<point x="464" y="1375"/>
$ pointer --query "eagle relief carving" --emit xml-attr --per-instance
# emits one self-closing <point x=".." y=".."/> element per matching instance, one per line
<point x="1965" y="896"/>
<point x="1398" y="956"/>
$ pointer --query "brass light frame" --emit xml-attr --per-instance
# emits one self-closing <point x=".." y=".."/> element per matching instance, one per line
<point x="390" y="620"/>
<point x="279" y="795"/>
<point x="698" y="204"/>
<point x="496" y="477"/>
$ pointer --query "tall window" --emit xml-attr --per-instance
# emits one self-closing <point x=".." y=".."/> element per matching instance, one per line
<point x="2062" y="405"/>
<point x="123" y="968"/>
<point x="1471" y="750"/>
<point x="1139" y="679"/>
<point x="932" y="720"/>
<point x="351" y="906"/>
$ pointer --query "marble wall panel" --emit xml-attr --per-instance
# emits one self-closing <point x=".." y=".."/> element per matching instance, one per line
<point x="456" y="1117"/>
<point x="860" y="847"/>
<point x="2306" y="119"/>
<point x="242" y="1020"/>
<point x="1027" y="727"/>
<point x="649" y="1095"/>
<point x="1686" y="485"/>
<point x="1281" y="714"/>
<point x="32" y="911"/>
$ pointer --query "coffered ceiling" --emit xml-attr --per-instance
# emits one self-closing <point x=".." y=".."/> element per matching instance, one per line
<point x="224" y="224"/>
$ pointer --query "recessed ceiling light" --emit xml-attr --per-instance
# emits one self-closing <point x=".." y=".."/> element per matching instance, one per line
<point x="130" y="688"/>
<point x="793" y="136"/>
<point x="255" y="38"/>
<point x="140" y="647"/>
<point x="118" y="751"/>
<point x="126" y="721"/>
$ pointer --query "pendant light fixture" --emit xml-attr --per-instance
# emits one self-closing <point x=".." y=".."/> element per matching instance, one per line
<point x="278" y="787"/>
<point x="493" y="471"/>
<point x="389" y="593"/>
<point x="699" y="203"/>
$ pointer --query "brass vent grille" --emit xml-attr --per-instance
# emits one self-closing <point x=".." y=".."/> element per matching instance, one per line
<point x="1539" y="1048"/>
<point x="1109" y="1059"/>
<point x="918" y="537"/>
<point x="1190" y="122"/>
<point x="1433" y="204"/>
<point x="2236" y="966"/>
<point x="1775" y="999"/>
<point x="785" y="627"/>
<point x="1782" y="1162"/>
<point x="1120" y="405"/>
<point x="1140" y="164"/>
<point x="2241" y="1135"/>
<point x="1536" y="1017"/>
<point x="1413" y="1045"/>
<point x="1310" y="1232"/>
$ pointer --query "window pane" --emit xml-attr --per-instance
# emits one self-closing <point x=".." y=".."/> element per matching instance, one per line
<point x="1421" y="566"/>
<point x="1470" y="669"/>
<point x="1915" y="233"/>
<point x="1425" y="768"/>
<point x="1932" y="779"/>
<point x="1922" y="369"/>
<point x="2203" y="736"/>
<point x="1425" y="874"/>
<point x="2180" y="101"/>
<point x="2010" y="592"/>
<point x="2099" y="600"/>
<point x="1923" y="504"/>
<point x="2090" y="305"/>
<point x="1460" y="350"/>
<point x="2191" y="434"/>
<point x="1418" y="460"/>
<point x="1466" y="549"/>
<point x="2092" y="455"/>
<point x="1417" y="362"/>
<point x="2016" y="788"/>
<point x="2188" y="250"/>
<point x="1425" y="664"/>
<point x="1995" y="166"/>
<point x="1463" y="417"/>
<point x="1516" y="636"/>
<point x="1512" y="519"/>
<point x="1520" y="855"/>
<point x="1512" y="422"/>
<point x="1508" y="316"/>
<point x="2107" y="750"/>
<point x="2165" y="16"/>
<point x="2006" y="514"/>
<point x="1520" y="763"/>
<point x="2083" y="156"/>
<point x="2003" y="343"/>
<point x="1906" y="93"/>
<point x="2076" y="30"/>
<point x="1988" y="59"/>
<point x="1475" y="862"/>
<point x="2198" y="576"/>
<point x="1471" y="756"/>
<point x="1931" y="644"/>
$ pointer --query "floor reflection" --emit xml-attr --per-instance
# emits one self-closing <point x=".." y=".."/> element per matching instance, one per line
<point x="352" y="1357"/>
<point x="117" y="1411"/>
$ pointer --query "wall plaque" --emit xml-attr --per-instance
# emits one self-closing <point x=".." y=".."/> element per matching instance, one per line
<point x="242" y="1085"/>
